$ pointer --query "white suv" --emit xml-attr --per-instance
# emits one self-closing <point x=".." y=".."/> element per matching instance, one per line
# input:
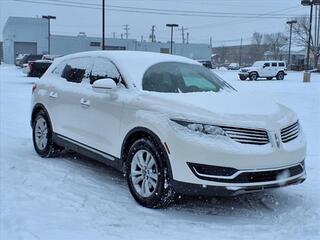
<point x="169" y="123"/>
<point x="264" y="69"/>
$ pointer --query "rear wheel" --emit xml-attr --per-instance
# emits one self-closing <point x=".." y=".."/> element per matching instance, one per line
<point x="253" y="76"/>
<point x="147" y="175"/>
<point x="42" y="135"/>
<point x="280" y="76"/>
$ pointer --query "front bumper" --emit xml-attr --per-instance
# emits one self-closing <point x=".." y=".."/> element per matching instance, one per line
<point x="238" y="161"/>
<point x="250" y="184"/>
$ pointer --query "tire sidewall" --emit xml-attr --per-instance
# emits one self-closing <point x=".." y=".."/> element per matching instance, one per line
<point x="253" y="74"/>
<point x="48" y="149"/>
<point x="280" y="76"/>
<point x="155" y="200"/>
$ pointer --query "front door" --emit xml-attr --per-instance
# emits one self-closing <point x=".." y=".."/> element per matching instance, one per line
<point x="101" y="117"/>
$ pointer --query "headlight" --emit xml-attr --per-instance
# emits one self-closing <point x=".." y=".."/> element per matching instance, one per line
<point x="207" y="129"/>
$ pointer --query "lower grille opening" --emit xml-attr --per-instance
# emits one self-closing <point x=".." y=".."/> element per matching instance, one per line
<point x="224" y="174"/>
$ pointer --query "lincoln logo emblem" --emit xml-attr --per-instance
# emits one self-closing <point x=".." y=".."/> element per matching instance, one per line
<point x="277" y="140"/>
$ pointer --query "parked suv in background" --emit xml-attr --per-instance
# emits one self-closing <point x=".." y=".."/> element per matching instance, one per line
<point x="264" y="69"/>
<point x="172" y="125"/>
<point x="39" y="67"/>
<point x="234" y="66"/>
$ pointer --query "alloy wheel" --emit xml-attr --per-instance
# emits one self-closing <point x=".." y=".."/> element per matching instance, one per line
<point x="41" y="133"/>
<point x="144" y="173"/>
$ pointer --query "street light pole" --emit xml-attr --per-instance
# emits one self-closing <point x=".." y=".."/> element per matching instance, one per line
<point x="103" y="24"/>
<point x="49" y="17"/>
<point x="289" y="56"/>
<point x="171" y="42"/>
<point x="309" y="38"/>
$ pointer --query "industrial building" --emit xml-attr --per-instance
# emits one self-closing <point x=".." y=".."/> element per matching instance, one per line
<point x="30" y="36"/>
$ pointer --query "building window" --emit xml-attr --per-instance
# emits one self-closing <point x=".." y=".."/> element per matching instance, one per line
<point x="95" y="44"/>
<point x="115" y="48"/>
<point x="164" y="50"/>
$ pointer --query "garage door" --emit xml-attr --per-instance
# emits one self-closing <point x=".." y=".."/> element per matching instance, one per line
<point x="25" y="47"/>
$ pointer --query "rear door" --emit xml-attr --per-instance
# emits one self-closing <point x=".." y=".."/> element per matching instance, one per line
<point x="274" y="69"/>
<point x="67" y="96"/>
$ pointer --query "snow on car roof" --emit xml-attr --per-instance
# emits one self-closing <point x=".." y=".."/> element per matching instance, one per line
<point x="132" y="64"/>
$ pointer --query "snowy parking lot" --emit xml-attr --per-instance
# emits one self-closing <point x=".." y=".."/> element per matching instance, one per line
<point x="72" y="197"/>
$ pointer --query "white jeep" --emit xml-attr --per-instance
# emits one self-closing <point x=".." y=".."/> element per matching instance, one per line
<point x="264" y="69"/>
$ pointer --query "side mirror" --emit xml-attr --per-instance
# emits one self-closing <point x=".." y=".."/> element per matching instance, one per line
<point x="104" y="84"/>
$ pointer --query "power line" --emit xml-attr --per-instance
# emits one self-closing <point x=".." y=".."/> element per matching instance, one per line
<point x="159" y="11"/>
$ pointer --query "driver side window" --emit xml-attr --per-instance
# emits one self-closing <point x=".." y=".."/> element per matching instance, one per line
<point x="103" y="68"/>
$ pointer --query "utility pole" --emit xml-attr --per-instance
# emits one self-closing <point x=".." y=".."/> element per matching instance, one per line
<point x="211" y="42"/>
<point x="182" y="29"/>
<point x="187" y="37"/>
<point x="171" y="26"/>
<point x="103" y="24"/>
<point x="141" y="38"/>
<point x="153" y="37"/>
<point x="113" y="34"/>
<point x="49" y="17"/>
<point x="126" y="28"/>
<point x="240" y="55"/>
<point x="290" y="39"/>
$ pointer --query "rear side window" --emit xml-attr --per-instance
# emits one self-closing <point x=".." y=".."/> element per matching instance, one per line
<point x="274" y="64"/>
<point x="103" y="68"/>
<point x="76" y="70"/>
<point x="281" y="64"/>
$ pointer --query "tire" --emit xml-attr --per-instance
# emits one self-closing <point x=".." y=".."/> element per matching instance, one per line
<point x="269" y="78"/>
<point x="242" y="78"/>
<point x="280" y="76"/>
<point x="253" y="76"/>
<point x="147" y="175"/>
<point x="42" y="135"/>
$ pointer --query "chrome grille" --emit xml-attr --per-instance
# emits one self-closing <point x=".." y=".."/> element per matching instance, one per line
<point x="291" y="132"/>
<point x="247" y="136"/>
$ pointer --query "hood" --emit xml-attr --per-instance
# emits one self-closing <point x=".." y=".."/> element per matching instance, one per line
<point x="223" y="108"/>
<point x="248" y="69"/>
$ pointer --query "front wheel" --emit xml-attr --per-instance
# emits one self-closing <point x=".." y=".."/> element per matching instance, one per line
<point x="147" y="175"/>
<point x="253" y="76"/>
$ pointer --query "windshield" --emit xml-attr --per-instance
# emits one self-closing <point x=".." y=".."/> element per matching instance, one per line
<point x="257" y="64"/>
<point x="175" y="77"/>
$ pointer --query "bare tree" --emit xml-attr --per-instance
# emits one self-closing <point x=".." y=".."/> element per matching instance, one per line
<point x="300" y="31"/>
<point x="256" y="51"/>
<point x="275" y="41"/>
<point x="257" y="38"/>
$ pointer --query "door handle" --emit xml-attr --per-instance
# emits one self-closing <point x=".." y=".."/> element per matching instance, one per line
<point x="53" y="94"/>
<point x="85" y="102"/>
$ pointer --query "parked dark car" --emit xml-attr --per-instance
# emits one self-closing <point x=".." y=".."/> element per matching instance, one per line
<point x="39" y="67"/>
<point x="28" y="58"/>
<point x="206" y="63"/>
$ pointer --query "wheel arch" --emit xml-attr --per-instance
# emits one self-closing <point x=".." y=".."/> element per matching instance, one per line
<point x="37" y="108"/>
<point x="139" y="133"/>
<point x="256" y="72"/>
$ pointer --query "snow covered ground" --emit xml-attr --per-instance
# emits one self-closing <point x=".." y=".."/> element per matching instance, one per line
<point x="72" y="197"/>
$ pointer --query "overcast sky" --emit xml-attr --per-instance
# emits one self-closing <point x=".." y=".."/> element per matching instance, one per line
<point x="225" y="20"/>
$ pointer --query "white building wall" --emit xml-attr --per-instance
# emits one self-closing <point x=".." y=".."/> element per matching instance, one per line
<point x="20" y="29"/>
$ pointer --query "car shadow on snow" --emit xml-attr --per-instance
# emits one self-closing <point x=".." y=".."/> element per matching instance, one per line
<point x="257" y="204"/>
